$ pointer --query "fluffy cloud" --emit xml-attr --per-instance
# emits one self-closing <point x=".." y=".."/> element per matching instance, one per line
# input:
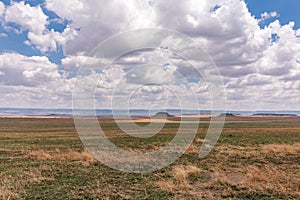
<point x="266" y="15"/>
<point x="35" y="21"/>
<point x="32" y="81"/>
<point x="17" y="69"/>
<point x="257" y="64"/>
<point x="31" y="18"/>
<point x="2" y="8"/>
<point x="100" y="19"/>
<point x="229" y="32"/>
<point x="49" y="40"/>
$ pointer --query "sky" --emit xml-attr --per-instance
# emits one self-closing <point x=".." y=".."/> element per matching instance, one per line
<point x="255" y="45"/>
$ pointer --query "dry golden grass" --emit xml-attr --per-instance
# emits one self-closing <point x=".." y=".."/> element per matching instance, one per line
<point x="257" y="178"/>
<point x="46" y="168"/>
<point x="7" y="194"/>
<point x="199" y="140"/>
<point x="11" y="186"/>
<point x="281" y="149"/>
<point x="264" y="177"/>
<point x="8" y="187"/>
<point x="34" y="175"/>
<point x="180" y="178"/>
<point x="194" y="148"/>
<point x="84" y="156"/>
<point x="271" y="177"/>
<point x="260" y="151"/>
<point x="181" y="174"/>
<point x="166" y="185"/>
<point x="236" y="151"/>
<point x="154" y="147"/>
<point x="254" y="178"/>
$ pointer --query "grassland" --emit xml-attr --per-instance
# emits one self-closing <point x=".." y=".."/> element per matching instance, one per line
<point x="255" y="158"/>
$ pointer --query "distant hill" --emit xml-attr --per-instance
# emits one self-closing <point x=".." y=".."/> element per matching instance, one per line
<point x="162" y="115"/>
<point x="226" y="115"/>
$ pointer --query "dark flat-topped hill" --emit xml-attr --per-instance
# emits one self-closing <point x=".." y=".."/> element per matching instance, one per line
<point x="162" y="115"/>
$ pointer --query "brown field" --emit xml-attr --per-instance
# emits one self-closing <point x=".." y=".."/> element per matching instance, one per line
<point x="255" y="158"/>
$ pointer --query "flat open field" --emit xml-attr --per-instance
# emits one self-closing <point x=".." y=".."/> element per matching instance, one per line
<point x="255" y="158"/>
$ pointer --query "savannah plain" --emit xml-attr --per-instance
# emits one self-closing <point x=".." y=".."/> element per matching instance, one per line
<point x="255" y="158"/>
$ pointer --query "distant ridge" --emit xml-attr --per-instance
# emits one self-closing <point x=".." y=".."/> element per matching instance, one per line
<point x="275" y="114"/>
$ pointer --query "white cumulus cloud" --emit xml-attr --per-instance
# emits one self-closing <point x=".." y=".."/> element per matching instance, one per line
<point x="100" y="19"/>
<point x="257" y="64"/>
<point x="31" y="18"/>
<point x="2" y="8"/>
<point x="32" y="82"/>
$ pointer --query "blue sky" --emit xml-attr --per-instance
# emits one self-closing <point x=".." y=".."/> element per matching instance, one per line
<point x="43" y="44"/>
<point x="15" y="41"/>
<point x="287" y="9"/>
